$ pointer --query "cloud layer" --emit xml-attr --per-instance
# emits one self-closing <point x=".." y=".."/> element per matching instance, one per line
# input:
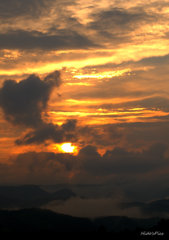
<point x="89" y="166"/>
<point x="61" y="39"/>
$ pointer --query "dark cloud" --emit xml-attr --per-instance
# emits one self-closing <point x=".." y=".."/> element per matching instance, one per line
<point x="116" y="17"/>
<point x="56" y="133"/>
<point x="23" y="102"/>
<point x="17" y="8"/>
<point x="141" y="134"/>
<point x="116" y="23"/>
<point x="69" y="125"/>
<point x="42" y="167"/>
<point x="61" y="39"/>
<point x="121" y="161"/>
<point x="41" y="134"/>
<point x="89" y="154"/>
<point x="33" y="161"/>
<point x="100" y="136"/>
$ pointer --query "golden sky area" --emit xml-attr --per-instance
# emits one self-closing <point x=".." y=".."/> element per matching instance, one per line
<point x="112" y="89"/>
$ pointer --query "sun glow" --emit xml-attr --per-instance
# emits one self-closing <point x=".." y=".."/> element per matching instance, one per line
<point x="68" y="148"/>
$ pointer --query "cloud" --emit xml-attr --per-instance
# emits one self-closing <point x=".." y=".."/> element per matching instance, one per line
<point x="42" y="167"/>
<point x="157" y="102"/>
<point x="70" y="125"/>
<point x="41" y="134"/>
<point x="61" y="39"/>
<point x="117" y="17"/>
<point x="17" y="8"/>
<point x="48" y="131"/>
<point x="117" y="23"/>
<point x="120" y="161"/>
<point x="35" y="161"/>
<point x="23" y="102"/>
<point x="71" y="131"/>
<point x="116" y="163"/>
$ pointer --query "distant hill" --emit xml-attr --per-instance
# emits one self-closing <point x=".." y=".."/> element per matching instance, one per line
<point x="30" y="196"/>
<point x="120" y="223"/>
<point x="38" y="220"/>
<point x="158" y="207"/>
<point x="63" y="194"/>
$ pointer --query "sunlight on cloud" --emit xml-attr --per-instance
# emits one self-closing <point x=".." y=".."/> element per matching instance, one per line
<point x="103" y="75"/>
<point x="100" y="116"/>
<point x="80" y="84"/>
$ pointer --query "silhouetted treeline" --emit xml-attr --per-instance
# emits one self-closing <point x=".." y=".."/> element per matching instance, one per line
<point x="45" y="221"/>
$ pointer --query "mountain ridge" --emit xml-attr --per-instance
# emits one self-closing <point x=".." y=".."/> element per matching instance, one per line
<point x="30" y="196"/>
<point x="43" y="220"/>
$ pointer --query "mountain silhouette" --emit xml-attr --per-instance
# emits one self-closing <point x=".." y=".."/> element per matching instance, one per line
<point x="38" y="220"/>
<point x="41" y="220"/>
<point x="30" y="196"/>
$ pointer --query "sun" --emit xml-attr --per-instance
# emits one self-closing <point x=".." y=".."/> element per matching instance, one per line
<point x="68" y="148"/>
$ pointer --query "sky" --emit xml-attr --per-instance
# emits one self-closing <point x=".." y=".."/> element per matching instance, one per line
<point x="84" y="94"/>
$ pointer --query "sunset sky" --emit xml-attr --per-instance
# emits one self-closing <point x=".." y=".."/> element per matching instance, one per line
<point x="84" y="93"/>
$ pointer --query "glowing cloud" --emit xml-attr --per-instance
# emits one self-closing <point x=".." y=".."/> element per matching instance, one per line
<point x="102" y="75"/>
